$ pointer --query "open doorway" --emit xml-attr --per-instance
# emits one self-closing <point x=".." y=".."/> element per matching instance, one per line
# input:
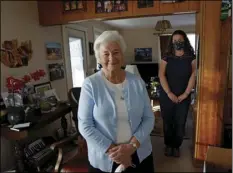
<point x="140" y="34"/>
<point x="75" y="50"/>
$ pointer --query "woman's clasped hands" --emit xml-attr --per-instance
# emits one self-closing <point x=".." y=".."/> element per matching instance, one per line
<point x="176" y="99"/>
<point x="121" y="154"/>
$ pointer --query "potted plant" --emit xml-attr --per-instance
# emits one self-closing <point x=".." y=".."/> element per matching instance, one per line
<point x="18" y="91"/>
<point x="154" y="87"/>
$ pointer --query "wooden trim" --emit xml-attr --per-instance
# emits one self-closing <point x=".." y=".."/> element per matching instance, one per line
<point x="209" y="111"/>
<point x="145" y="11"/>
<point x="51" y="12"/>
<point x="194" y="6"/>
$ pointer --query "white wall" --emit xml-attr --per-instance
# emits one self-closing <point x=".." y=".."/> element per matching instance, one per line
<point x="144" y="38"/>
<point x="90" y="25"/>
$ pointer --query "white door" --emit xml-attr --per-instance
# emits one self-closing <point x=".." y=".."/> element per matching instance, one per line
<point x="75" y="53"/>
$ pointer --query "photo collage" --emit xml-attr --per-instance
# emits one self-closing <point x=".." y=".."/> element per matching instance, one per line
<point x="104" y="6"/>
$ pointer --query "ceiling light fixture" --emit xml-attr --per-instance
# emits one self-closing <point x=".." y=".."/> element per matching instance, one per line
<point x="162" y="25"/>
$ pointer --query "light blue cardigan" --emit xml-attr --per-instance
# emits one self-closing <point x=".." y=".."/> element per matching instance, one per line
<point x="97" y="119"/>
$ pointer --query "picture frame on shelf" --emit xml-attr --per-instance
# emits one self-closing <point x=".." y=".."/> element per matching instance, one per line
<point x="42" y="87"/>
<point x="145" y="3"/>
<point x="106" y="6"/>
<point x="78" y="5"/>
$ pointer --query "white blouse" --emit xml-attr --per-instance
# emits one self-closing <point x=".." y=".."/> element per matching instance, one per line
<point x="124" y="133"/>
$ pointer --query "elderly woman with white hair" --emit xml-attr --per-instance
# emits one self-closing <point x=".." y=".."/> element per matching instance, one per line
<point x="114" y="115"/>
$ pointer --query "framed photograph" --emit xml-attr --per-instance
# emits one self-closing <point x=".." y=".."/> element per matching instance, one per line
<point x="106" y="6"/>
<point x="120" y="5"/>
<point x="51" y="97"/>
<point x="53" y="51"/>
<point x="41" y="88"/>
<point x="73" y="5"/>
<point x="66" y="5"/>
<point x="143" y="54"/>
<point x="91" y="48"/>
<point x="145" y="3"/>
<point x="78" y="5"/>
<point x="226" y="9"/>
<point x="56" y="71"/>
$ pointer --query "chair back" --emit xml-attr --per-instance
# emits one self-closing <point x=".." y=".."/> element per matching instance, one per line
<point x="73" y="96"/>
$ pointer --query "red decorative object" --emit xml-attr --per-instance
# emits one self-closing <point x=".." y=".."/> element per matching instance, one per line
<point x="16" y="85"/>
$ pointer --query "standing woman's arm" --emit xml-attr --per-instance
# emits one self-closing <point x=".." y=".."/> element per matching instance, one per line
<point x="192" y="78"/>
<point x="162" y="77"/>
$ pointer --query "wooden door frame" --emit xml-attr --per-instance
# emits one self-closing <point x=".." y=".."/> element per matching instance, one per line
<point x="208" y="110"/>
<point x="66" y="47"/>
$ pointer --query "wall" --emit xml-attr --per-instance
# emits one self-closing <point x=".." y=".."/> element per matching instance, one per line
<point x="144" y="38"/>
<point x="90" y="25"/>
<point x="19" y="19"/>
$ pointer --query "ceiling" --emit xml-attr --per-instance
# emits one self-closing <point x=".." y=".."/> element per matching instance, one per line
<point x="150" y="22"/>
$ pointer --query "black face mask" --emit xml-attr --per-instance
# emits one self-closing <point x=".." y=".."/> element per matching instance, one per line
<point x="178" y="45"/>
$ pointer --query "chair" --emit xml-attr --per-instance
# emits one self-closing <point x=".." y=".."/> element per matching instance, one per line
<point x="75" y="160"/>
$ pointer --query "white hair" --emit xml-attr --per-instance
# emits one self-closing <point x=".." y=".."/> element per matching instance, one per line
<point x="107" y="37"/>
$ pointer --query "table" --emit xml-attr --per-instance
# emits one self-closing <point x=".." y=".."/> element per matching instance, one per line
<point x="60" y="112"/>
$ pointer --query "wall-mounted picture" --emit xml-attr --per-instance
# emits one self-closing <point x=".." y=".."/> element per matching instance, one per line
<point x="16" y="55"/>
<point x="56" y="71"/>
<point x="226" y="9"/>
<point x="78" y="5"/>
<point x="53" y="51"/>
<point x="143" y="54"/>
<point x="41" y="88"/>
<point x="145" y="3"/>
<point x="105" y="6"/>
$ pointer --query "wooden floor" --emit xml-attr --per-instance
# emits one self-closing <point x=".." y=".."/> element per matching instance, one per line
<point x="171" y="164"/>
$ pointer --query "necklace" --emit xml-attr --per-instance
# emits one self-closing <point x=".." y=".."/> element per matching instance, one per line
<point x="122" y="96"/>
<point x="121" y="88"/>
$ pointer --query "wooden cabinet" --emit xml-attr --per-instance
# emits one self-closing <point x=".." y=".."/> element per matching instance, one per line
<point x="127" y="13"/>
<point x="51" y="12"/>
<point x="194" y="6"/>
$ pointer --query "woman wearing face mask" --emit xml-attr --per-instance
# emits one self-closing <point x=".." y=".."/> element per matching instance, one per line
<point x="177" y="76"/>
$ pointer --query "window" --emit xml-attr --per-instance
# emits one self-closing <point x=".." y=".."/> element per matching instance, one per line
<point x="76" y="58"/>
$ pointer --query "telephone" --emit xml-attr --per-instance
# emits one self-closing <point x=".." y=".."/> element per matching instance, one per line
<point x="39" y="156"/>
